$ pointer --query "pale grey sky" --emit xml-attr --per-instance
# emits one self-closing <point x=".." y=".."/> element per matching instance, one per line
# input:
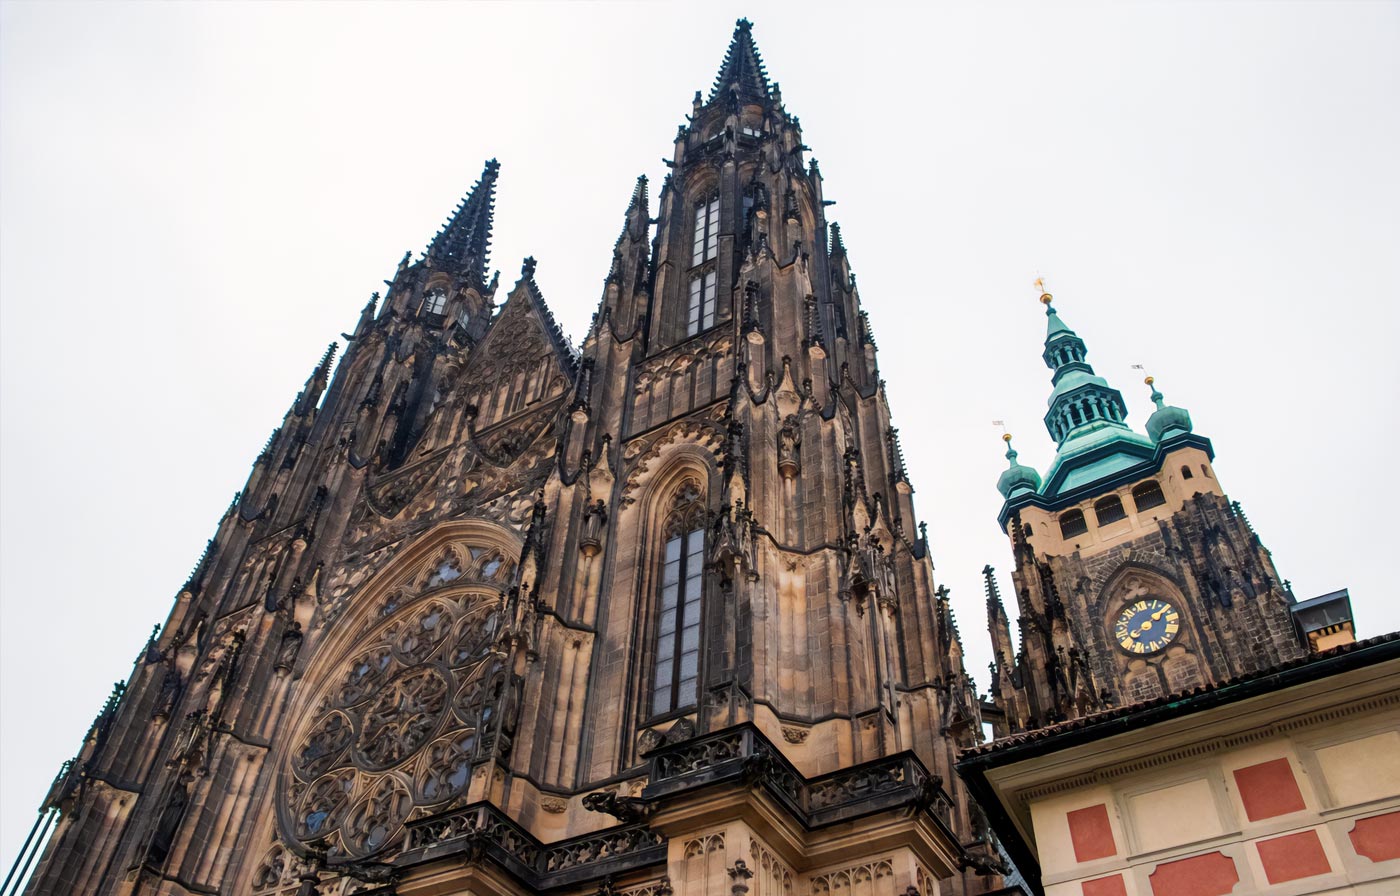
<point x="196" y="198"/>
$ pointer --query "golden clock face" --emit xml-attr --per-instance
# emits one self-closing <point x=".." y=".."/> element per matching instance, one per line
<point x="1147" y="626"/>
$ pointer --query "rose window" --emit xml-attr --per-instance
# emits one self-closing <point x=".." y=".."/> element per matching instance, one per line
<point x="401" y="718"/>
<point x="399" y="723"/>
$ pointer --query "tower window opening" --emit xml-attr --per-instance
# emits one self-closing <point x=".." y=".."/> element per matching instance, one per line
<point x="1148" y="494"/>
<point x="1186" y="472"/>
<point x="1109" y="510"/>
<point x="701" y="316"/>
<point x="435" y="302"/>
<point x="1027" y="531"/>
<point x="1206" y="471"/>
<point x="1072" y="523"/>
<point x="706" y="231"/>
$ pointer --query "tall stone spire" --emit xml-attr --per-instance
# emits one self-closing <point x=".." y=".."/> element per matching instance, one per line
<point x="742" y="70"/>
<point x="463" y="244"/>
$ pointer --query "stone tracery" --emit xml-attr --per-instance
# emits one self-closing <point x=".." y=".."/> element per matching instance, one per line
<point x="397" y="724"/>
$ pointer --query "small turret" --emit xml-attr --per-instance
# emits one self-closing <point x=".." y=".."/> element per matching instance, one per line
<point x="1166" y="420"/>
<point x="1017" y="478"/>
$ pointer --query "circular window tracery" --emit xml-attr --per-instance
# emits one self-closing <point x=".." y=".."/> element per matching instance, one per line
<point x="398" y="724"/>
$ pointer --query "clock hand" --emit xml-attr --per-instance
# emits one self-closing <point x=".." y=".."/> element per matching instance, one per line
<point x="1158" y="615"/>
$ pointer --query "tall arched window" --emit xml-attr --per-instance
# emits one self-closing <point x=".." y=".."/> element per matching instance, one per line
<point x="703" y="284"/>
<point x="677" y="673"/>
<point x="706" y="234"/>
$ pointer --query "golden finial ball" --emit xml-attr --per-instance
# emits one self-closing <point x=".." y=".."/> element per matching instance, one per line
<point x="1006" y="437"/>
<point x="1046" y="298"/>
<point x="1149" y="381"/>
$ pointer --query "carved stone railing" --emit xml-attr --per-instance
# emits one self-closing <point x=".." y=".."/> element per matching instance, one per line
<point x="743" y="754"/>
<point x="738" y="756"/>
<point x="481" y="830"/>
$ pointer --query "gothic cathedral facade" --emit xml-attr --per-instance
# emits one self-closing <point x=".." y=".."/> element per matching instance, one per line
<point x="498" y="616"/>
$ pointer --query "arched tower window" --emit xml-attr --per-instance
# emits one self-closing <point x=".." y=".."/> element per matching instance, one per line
<point x="677" y="673"/>
<point x="700" y="314"/>
<point x="1072" y="524"/>
<point x="702" y="287"/>
<point x="1109" y="510"/>
<point x="706" y="236"/>
<point x="435" y="302"/>
<point x="1148" y="494"/>
<point x="1185" y="472"/>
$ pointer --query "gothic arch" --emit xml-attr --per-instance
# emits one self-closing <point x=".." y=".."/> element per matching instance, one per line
<point x="1174" y="669"/>
<point x="681" y="467"/>
<point x="1133" y="577"/>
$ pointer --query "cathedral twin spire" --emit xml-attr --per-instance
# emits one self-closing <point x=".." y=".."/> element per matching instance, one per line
<point x="742" y="70"/>
<point x="463" y="244"/>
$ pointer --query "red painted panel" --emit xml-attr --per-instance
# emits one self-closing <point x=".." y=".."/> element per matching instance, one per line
<point x="1268" y="789"/>
<point x="1091" y="833"/>
<point x="1289" y="858"/>
<point x="1378" y="837"/>
<point x="1213" y="874"/>
<point x="1106" y="886"/>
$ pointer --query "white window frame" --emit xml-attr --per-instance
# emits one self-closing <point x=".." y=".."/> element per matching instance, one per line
<point x="704" y="290"/>
<point x="706" y="241"/>
<point x="676" y="672"/>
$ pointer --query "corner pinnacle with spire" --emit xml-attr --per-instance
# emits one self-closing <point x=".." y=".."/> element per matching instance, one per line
<point x="838" y="246"/>
<point x="742" y="70"/>
<point x="638" y="215"/>
<point x="463" y="245"/>
<point x="1017" y="477"/>
<point x="994" y="604"/>
<point x="1166" y="419"/>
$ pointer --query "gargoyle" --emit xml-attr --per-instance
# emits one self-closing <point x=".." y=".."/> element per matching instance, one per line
<point x="626" y="809"/>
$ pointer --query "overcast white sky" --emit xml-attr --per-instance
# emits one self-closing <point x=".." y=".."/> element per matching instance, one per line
<point x="195" y="199"/>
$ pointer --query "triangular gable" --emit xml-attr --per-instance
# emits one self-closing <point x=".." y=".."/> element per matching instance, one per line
<point x="522" y="360"/>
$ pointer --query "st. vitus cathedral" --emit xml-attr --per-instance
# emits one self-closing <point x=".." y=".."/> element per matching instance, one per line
<point x="655" y="616"/>
<point x="493" y="615"/>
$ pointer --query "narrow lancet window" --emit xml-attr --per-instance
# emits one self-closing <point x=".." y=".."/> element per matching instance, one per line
<point x="675" y="681"/>
<point x="702" y="303"/>
<point x="706" y="231"/>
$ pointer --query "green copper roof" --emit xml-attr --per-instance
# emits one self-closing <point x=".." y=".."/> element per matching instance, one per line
<point x="1166" y="419"/>
<point x="1054" y="326"/>
<point x="1017" y="478"/>
<point x="1086" y="417"/>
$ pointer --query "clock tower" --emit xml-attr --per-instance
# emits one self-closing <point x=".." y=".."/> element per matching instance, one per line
<point x="1135" y="575"/>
